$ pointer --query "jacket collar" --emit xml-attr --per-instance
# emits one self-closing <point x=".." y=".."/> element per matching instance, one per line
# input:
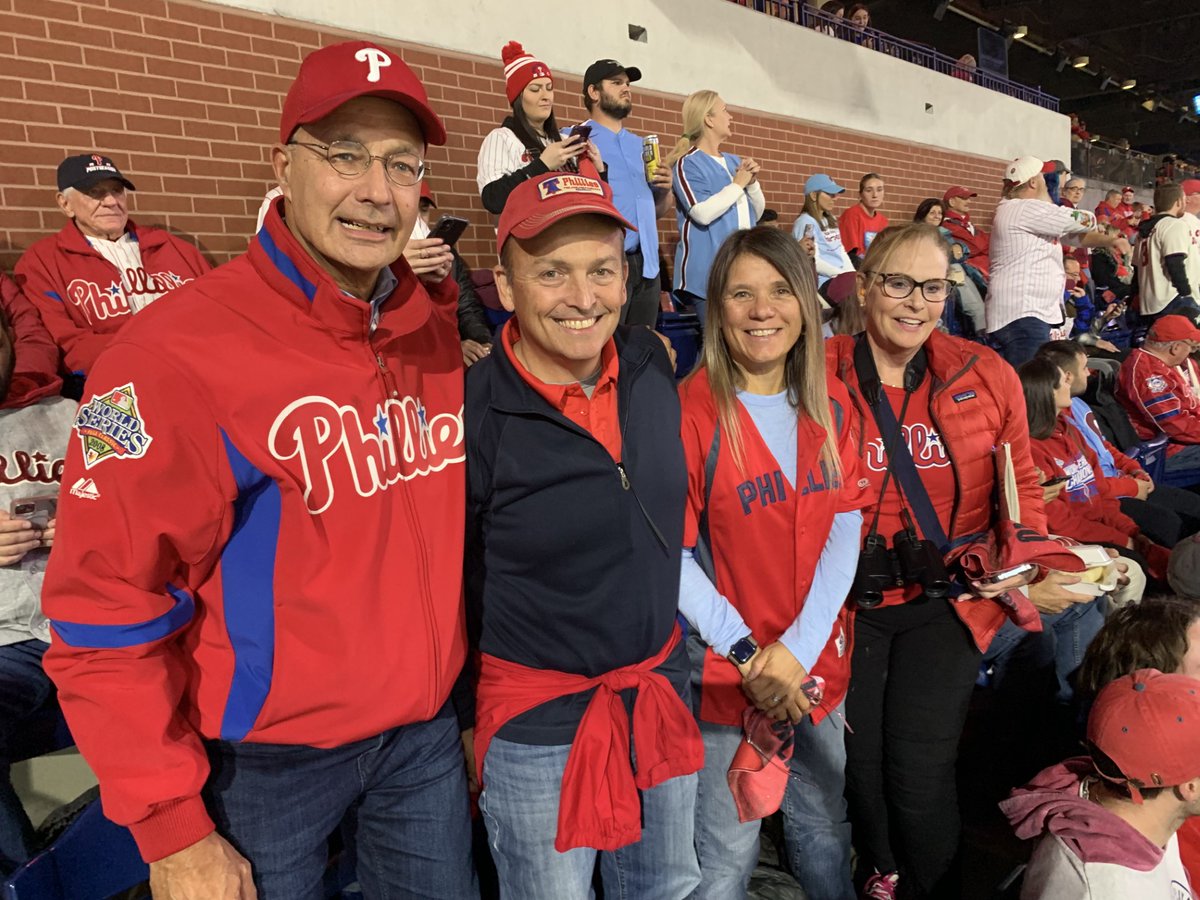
<point x="71" y="240"/>
<point x="290" y="271"/>
<point x="948" y="358"/>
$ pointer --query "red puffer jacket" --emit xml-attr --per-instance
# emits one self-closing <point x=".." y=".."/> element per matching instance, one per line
<point x="977" y="404"/>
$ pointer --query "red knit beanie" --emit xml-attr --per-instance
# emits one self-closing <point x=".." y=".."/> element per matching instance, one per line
<point x="520" y="68"/>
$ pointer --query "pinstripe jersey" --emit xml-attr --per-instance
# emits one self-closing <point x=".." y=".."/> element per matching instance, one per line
<point x="126" y="254"/>
<point x="501" y="153"/>
<point x="1027" y="275"/>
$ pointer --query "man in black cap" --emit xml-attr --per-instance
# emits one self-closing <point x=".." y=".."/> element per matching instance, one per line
<point x="101" y="268"/>
<point x="639" y="196"/>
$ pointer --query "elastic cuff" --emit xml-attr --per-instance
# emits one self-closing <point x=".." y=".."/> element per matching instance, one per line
<point x="171" y="827"/>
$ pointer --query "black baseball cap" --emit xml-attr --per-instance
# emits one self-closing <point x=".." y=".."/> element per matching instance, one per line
<point x="86" y="170"/>
<point x="607" y="68"/>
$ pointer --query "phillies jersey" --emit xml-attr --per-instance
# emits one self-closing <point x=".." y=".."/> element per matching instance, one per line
<point x="84" y="299"/>
<point x="270" y="549"/>
<point x="766" y="535"/>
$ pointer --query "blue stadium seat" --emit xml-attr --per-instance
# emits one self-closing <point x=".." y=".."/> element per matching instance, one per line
<point x="1151" y="455"/>
<point x="683" y="330"/>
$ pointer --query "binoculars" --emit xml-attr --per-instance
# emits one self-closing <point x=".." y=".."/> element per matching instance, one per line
<point x="910" y="560"/>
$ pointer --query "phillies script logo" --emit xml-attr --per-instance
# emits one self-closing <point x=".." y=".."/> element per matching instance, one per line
<point x="98" y="303"/>
<point x="336" y="447"/>
<point x="924" y="444"/>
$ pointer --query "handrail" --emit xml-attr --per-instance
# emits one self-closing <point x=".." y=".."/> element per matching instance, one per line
<point x="799" y="13"/>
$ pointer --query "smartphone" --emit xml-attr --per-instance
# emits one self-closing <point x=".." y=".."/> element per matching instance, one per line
<point x="1059" y="479"/>
<point x="449" y="229"/>
<point x="1071" y="282"/>
<point x="38" y="510"/>
<point x="1009" y="573"/>
<point x="584" y="130"/>
<point x="808" y="231"/>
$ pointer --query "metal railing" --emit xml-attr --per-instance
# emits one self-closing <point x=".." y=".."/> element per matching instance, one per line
<point x="1107" y="162"/>
<point x="799" y="13"/>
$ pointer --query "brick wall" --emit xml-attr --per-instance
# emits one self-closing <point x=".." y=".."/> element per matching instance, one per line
<point x="186" y="99"/>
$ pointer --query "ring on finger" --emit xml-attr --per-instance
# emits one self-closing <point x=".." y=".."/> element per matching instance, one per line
<point x="775" y="699"/>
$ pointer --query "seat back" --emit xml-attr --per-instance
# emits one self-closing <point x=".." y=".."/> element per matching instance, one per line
<point x="1151" y="455"/>
<point x="485" y="286"/>
<point x="92" y="860"/>
<point x="683" y="330"/>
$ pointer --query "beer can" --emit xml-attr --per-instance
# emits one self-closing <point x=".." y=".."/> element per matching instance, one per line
<point x="650" y="156"/>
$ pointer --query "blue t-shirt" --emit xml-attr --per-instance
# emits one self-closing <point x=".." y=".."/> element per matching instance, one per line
<point x="829" y="244"/>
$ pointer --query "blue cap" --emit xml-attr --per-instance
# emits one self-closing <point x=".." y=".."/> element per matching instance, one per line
<point x="822" y="182"/>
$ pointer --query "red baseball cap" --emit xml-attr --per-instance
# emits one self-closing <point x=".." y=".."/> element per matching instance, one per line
<point x="1128" y="189"/>
<point x="1148" y="724"/>
<point x="1191" y="186"/>
<point x="1173" y="328"/>
<point x="338" y="73"/>
<point x="427" y="193"/>
<point x="957" y="191"/>
<point x="540" y="202"/>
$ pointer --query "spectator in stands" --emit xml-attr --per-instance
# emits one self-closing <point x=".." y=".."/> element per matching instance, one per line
<point x="246" y="567"/>
<point x="1079" y="132"/>
<point x="101" y="268"/>
<point x="1112" y="270"/>
<point x="966" y="69"/>
<point x="1128" y="211"/>
<point x="35" y="423"/>
<point x="1072" y="193"/>
<point x="1163" y="246"/>
<point x="1088" y="508"/>
<point x="835" y="9"/>
<point x="816" y="220"/>
<point x="1191" y="222"/>
<point x="914" y="663"/>
<point x="716" y="193"/>
<point x="1165" y="514"/>
<point x="528" y="143"/>
<point x="1157" y="392"/>
<point x="859" y="19"/>
<point x="568" y="620"/>
<point x="859" y="224"/>
<point x="768" y="629"/>
<point x="966" y="279"/>
<point x="1108" y="212"/>
<point x="1025" y="294"/>
<point x="609" y="99"/>
<point x="1107" y="821"/>
<point x="956" y="203"/>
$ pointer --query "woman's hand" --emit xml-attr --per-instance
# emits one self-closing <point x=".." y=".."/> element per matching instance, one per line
<point x="988" y="590"/>
<point x="473" y="352"/>
<point x="745" y="173"/>
<point x="593" y="153"/>
<point x="431" y="259"/>
<point x="772" y="681"/>
<point x="1050" y="596"/>
<point x="556" y="155"/>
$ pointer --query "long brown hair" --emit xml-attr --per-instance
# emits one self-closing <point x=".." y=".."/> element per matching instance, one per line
<point x="1039" y="378"/>
<point x="804" y="367"/>
<point x="812" y="206"/>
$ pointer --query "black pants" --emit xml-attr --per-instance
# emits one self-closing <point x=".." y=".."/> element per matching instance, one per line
<point x="641" y="294"/>
<point x="1166" y="516"/>
<point x="911" y="678"/>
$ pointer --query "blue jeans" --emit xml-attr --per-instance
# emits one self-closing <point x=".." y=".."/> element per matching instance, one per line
<point x="815" y="823"/>
<point x="1019" y="340"/>
<point x="1180" y="306"/>
<point x="24" y="689"/>
<point x="522" y="785"/>
<point x="402" y="794"/>
<point x="1063" y="640"/>
<point x="1184" y="466"/>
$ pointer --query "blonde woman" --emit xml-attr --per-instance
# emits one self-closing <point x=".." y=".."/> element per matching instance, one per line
<point x="775" y="436"/>
<point x="716" y="193"/>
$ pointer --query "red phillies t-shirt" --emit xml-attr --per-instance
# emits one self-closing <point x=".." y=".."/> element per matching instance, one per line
<point x="933" y="465"/>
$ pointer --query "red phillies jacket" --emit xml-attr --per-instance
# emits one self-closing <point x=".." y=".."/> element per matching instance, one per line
<point x="794" y="524"/>
<point x="1158" y="400"/>
<point x="270" y="549"/>
<point x="83" y="298"/>
<point x="977" y="405"/>
<point x="978" y="243"/>
<point x="1088" y="507"/>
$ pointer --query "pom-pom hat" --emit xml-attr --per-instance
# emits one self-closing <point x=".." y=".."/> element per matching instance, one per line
<point x="520" y="68"/>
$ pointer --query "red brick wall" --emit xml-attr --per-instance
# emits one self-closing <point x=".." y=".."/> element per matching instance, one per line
<point x="186" y="99"/>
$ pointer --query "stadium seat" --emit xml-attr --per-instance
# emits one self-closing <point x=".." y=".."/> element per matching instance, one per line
<point x="485" y="285"/>
<point x="683" y="330"/>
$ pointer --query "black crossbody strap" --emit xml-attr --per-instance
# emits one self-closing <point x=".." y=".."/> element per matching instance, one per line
<point x="703" y="553"/>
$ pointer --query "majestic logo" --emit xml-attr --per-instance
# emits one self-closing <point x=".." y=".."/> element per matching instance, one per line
<point x="924" y="444"/>
<point x="569" y="184"/>
<point x="110" y="427"/>
<point x="336" y="448"/>
<point x="85" y="489"/>
<point x="376" y="59"/>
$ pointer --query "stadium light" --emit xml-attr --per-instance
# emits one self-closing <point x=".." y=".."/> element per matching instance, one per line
<point x="1079" y="62"/>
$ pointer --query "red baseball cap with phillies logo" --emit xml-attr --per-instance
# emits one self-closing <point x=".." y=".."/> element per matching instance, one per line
<point x="540" y="202"/>
<point x="338" y="73"/>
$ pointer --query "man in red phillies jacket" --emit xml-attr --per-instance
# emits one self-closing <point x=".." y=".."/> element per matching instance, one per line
<point x="88" y="280"/>
<point x="257" y="610"/>
<point x="956" y="203"/>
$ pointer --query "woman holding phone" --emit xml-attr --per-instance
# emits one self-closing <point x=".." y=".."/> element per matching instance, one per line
<point x="528" y="143"/>
<point x="760" y="415"/>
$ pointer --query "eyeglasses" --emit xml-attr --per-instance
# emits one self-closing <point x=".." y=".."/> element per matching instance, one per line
<point x="350" y="158"/>
<point x="899" y="286"/>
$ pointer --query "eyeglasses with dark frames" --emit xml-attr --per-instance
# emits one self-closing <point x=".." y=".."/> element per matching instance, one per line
<point x="899" y="286"/>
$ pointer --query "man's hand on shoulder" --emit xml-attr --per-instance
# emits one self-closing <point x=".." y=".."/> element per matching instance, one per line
<point x="209" y="869"/>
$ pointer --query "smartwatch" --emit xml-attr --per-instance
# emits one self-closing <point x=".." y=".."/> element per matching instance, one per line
<point x="742" y="651"/>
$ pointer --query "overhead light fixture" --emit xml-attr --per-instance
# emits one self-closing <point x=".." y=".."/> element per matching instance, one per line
<point x="1019" y="32"/>
<point x="1149" y="104"/>
<point x="1093" y="138"/>
<point x="1128" y="84"/>
<point x="1079" y="62"/>
<point x="939" y="11"/>
<point x="1108" y="79"/>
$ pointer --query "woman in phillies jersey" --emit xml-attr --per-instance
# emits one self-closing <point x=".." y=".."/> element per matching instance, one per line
<point x="915" y="658"/>
<point x="774" y="492"/>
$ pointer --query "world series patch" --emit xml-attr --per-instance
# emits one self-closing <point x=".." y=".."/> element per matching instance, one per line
<point x="110" y="427"/>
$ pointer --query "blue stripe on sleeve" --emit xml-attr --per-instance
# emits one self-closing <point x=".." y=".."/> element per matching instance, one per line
<point x="54" y="296"/>
<point x="1159" y="398"/>
<point x="248" y="586"/>
<point x="111" y="637"/>
<point x="1167" y="415"/>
